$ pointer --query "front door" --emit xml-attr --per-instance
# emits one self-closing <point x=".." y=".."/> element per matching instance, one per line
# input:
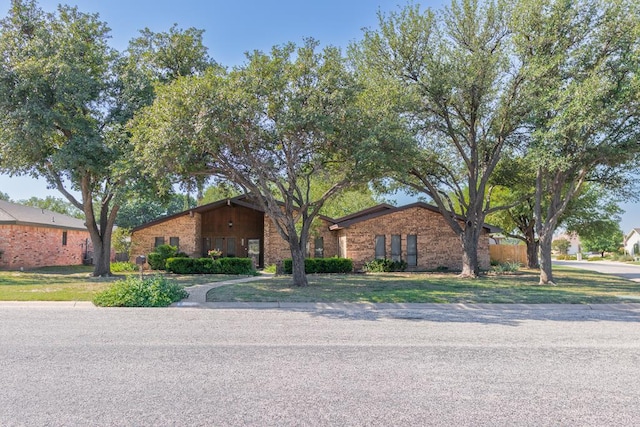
<point x="206" y="246"/>
<point x="253" y="248"/>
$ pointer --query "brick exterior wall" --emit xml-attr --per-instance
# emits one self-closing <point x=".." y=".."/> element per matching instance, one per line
<point x="31" y="246"/>
<point x="437" y="245"/>
<point x="276" y="249"/>
<point x="185" y="227"/>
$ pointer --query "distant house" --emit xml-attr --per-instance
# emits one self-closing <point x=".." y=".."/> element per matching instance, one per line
<point x="574" y="242"/>
<point x="33" y="237"/>
<point x="416" y="233"/>
<point x="632" y="242"/>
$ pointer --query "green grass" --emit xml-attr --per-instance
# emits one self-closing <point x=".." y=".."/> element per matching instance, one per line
<point x="73" y="283"/>
<point x="574" y="287"/>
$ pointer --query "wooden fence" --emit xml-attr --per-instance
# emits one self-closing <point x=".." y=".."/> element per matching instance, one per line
<point x="508" y="253"/>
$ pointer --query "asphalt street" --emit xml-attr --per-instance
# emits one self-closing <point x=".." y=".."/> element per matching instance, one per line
<point x="627" y="271"/>
<point x="84" y="366"/>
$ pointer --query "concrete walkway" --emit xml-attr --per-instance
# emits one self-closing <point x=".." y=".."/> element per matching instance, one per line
<point x="198" y="293"/>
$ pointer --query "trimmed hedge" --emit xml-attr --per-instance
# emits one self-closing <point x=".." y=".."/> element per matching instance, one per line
<point x="158" y="258"/>
<point x="210" y="266"/>
<point x="321" y="265"/>
<point x="155" y="291"/>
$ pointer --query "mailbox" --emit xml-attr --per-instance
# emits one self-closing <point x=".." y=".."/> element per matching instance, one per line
<point x="141" y="259"/>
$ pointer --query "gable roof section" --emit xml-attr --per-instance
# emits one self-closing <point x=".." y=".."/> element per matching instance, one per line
<point x="385" y="209"/>
<point x="628" y="236"/>
<point x="15" y="214"/>
<point x="242" y="200"/>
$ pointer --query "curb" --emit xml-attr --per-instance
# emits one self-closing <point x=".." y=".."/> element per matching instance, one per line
<point x="627" y="307"/>
<point x="47" y="304"/>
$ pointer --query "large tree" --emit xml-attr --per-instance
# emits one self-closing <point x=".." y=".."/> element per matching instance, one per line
<point x="602" y="236"/>
<point x="596" y="200"/>
<point x="583" y="87"/>
<point x="64" y="98"/>
<point x="455" y="76"/>
<point x="271" y="126"/>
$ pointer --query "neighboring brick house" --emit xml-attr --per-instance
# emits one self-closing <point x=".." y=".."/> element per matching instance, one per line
<point x="416" y="233"/>
<point x="33" y="237"/>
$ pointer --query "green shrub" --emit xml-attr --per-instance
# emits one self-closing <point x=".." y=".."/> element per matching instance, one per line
<point x="235" y="266"/>
<point x="566" y="257"/>
<point x="156" y="291"/>
<point x="157" y="259"/>
<point x="321" y="265"/>
<point x="270" y="268"/>
<point x="210" y="266"/>
<point x="181" y="265"/>
<point x="621" y="257"/>
<point x="506" y="267"/>
<point x="119" y="267"/>
<point x="384" y="266"/>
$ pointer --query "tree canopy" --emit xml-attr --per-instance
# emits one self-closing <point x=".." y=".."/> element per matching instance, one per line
<point x="271" y="127"/>
<point x="452" y="74"/>
<point x="65" y="96"/>
<point x="583" y="87"/>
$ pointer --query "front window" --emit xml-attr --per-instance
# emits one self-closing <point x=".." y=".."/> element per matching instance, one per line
<point x="175" y="241"/>
<point x="318" y="245"/>
<point x="412" y="250"/>
<point x="380" y="247"/>
<point x="396" y="244"/>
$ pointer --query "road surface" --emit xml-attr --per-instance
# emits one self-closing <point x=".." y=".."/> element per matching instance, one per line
<point x="84" y="366"/>
<point x="621" y="269"/>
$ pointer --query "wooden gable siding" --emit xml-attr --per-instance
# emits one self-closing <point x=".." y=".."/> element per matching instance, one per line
<point x="246" y="224"/>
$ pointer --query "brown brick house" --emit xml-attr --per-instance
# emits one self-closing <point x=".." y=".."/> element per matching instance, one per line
<point x="416" y="233"/>
<point x="33" y="237"/>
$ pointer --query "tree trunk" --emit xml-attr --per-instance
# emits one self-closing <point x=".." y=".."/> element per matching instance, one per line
<point x="297" y="257"/>
<point x="101" y="258"/>
<point x="101" y="242"/>
<point x="470" y="265"/>
<point x="532" y="250"/>
<point x="546" y="269"/>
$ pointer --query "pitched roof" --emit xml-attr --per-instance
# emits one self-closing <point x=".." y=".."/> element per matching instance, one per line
<point x="346" y="221"/>
<point x="242" y="200"/>
<point x="13" y="213"/>
<point x="628" y="236"/>
<point x="385" y="209"/>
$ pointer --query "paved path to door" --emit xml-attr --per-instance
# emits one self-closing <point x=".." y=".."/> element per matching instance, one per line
<point x="620" y="269"/>
<point x="198" y="293"/>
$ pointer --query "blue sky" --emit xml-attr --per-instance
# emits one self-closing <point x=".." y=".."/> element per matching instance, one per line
<point x="232" y="28"/>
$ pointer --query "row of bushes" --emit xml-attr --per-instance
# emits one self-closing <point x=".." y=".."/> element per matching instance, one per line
<point x="183" y="265"/>
<point x="158" y="258"/>
<point x="321" y="265"/>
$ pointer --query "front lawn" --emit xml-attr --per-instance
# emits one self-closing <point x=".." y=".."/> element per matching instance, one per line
<point x="574" y="287"/>
<point x="74" y="283"/>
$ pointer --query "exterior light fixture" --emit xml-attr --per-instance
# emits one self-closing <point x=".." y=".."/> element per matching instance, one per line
<point x="230" y="223"/>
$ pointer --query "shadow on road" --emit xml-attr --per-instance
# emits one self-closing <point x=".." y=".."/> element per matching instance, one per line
<point x="489" y="316"/>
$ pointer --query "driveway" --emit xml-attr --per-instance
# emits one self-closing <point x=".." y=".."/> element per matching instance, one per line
<point x="620" y="269"/>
